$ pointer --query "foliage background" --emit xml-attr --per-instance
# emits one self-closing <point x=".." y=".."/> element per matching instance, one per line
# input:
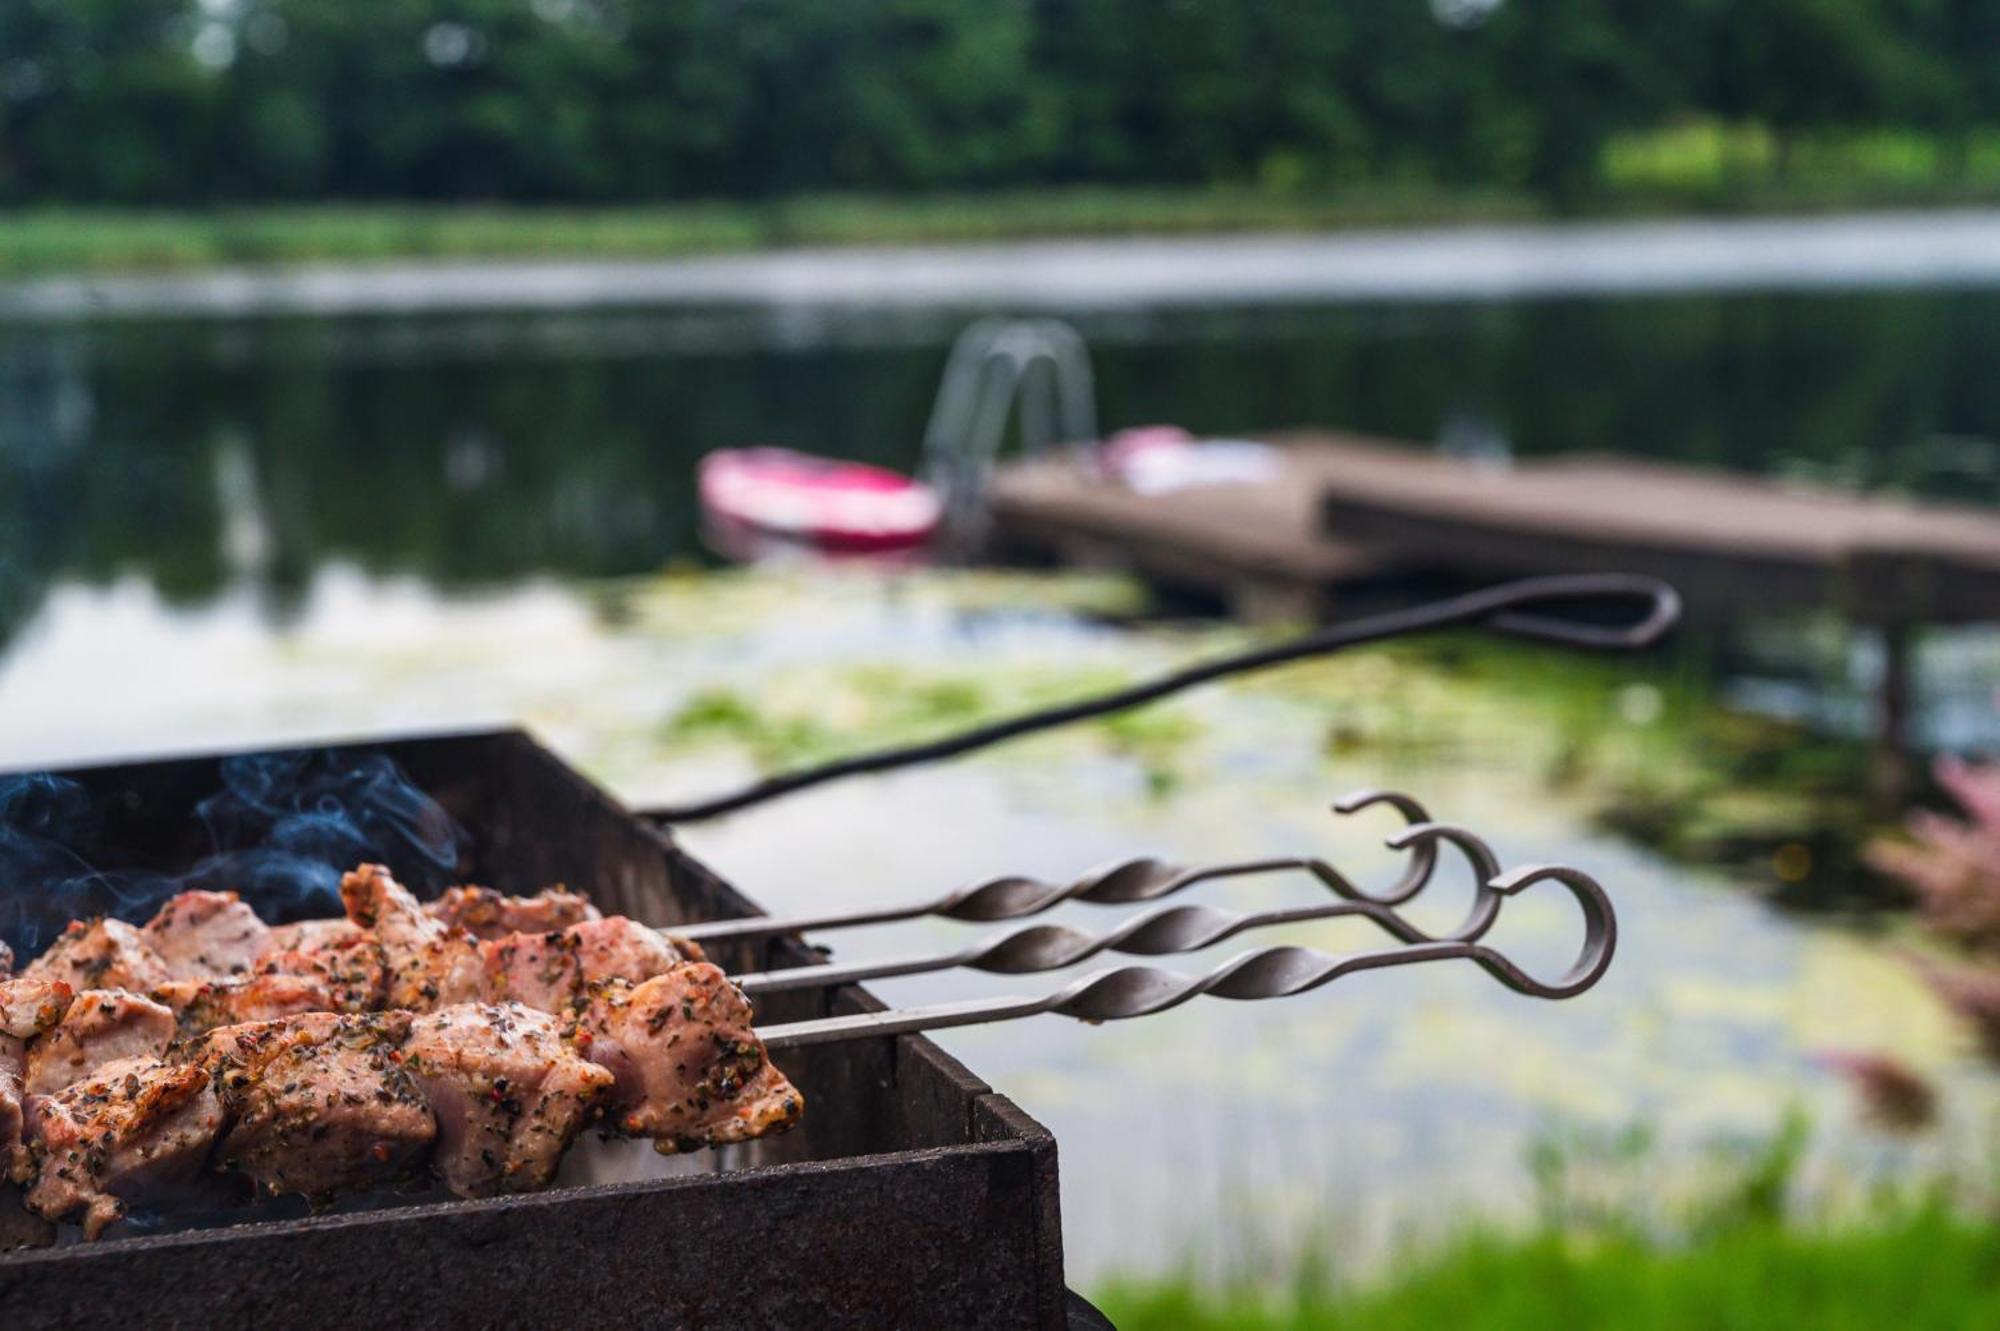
<point x="202" y="101"/>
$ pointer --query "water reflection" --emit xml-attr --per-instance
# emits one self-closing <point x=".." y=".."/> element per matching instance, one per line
<point x="480" y="450"/>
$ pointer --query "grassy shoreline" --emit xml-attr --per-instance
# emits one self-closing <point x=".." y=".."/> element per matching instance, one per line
<point x="39" y="242"/>
<point x="52" y="241"/>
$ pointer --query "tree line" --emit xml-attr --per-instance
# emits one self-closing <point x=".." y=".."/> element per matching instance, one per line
<point x="599" y="101"/>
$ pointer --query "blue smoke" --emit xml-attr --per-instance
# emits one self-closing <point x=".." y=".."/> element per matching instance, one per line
<point x="42" y="819"/>
<point x="282" y="830"/>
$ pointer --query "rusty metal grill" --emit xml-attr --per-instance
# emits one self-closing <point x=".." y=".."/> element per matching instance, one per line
<point x="912" y="1195"/>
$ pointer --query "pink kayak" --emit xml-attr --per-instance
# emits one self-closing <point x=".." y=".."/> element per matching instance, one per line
<point x="817" y="502"/>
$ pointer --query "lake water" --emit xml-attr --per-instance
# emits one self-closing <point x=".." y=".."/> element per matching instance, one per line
<point x="224" y="533"/>
<point x="473" y="450"/>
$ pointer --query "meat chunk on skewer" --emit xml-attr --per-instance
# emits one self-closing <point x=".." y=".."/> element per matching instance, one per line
<point x="554" y="971"/>
<point x="508" y="1094"/>
<point x="494" y="1054"/>
<point x="28" y="1007"/>
<point x="326" y="1103"/>
<point x="102" y="1026"/>
<point x="200" y="935"/>
<point x="135" y="1129"/>
<point x="308" y="936"/>
<point x="485" y="913"/>
<point x="101" y="954"/>
<point x="320" y="1104"/>
<point x="480" y="911"/>
<point x="204" y="1005"/>
<point x="691" y="1072"/>
<point x="351" y="970"/>
<point x="426" y="963"/>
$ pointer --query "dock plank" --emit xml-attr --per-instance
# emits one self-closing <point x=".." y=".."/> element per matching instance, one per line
<point x="1257" y="547"/>
<point x="1732" y="541"/>
<point x="1346" y="507"/>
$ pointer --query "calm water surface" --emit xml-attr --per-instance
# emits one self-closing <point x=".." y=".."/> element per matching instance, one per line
<point x="473" y="451"/>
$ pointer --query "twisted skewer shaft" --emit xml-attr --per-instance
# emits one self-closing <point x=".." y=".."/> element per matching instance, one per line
<point x="1007" y="898"/>
<point x="1128" y="882"/>
<point x="1274" y="972"/>
<point x="1048" y="947"/>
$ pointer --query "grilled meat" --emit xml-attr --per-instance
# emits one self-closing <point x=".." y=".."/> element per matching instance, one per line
<point x="319" y="1104"/>
<point x="6" y="960"/>
<point x="491" y="1056"/>
<point x="204" y="1005"/>
<point x="350" y="969"/>
<point x="325" y="1103"/>
<point x="27" y="1009"/>
<point x="485" y="913"/>
<point x="429" y="963"/>
<point x="214" y="963"/>
<point x="691" y="1072"/>
<point x="135" y="1128"/>
<point x="29" y="1006"/>
<point x="480" y="911"/>
<point x="101" y="954"/>
<point x="509" y="1095"/>
<point x="426" y="963"/>
<point x="200" y="935"/>
<point x="308" y="936"/>
<point x="554" y="971"/>
<point x="102" y="1026"/>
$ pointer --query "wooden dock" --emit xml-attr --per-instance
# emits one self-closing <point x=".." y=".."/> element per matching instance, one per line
<point x="1346" y="509"/>
<point x="1255" y="548"/>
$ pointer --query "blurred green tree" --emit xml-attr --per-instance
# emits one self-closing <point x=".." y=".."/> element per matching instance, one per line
<point x="163" y="101"/>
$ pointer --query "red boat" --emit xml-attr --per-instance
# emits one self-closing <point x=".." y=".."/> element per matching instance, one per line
<point x="760" y="501"/>
<point x="777" y="495"/>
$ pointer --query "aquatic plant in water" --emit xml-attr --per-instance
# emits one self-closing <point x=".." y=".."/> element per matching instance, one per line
<point x="1952" y="867"/>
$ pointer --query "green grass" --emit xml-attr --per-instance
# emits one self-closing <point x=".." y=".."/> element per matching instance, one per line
<point x="58" y="240"/>
<point x="1694" y="167"/>
<point x="1914" y="1269"/>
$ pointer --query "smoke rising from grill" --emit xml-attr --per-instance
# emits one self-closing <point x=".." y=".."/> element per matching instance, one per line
<point x="41" y="818"/>
<point x="281" y="831"/>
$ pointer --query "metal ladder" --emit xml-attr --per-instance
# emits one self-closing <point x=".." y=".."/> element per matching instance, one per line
<point x="997" y="364"/>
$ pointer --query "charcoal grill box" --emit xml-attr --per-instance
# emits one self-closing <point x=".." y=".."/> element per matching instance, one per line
<point x="912" y="1195"/>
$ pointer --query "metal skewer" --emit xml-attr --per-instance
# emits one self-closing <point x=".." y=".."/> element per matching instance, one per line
<point x="1532" y="608"/>
<point x="1125" y="883"/>
<point x="1047" y="947"/>
<point x="1274" y="972"/>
